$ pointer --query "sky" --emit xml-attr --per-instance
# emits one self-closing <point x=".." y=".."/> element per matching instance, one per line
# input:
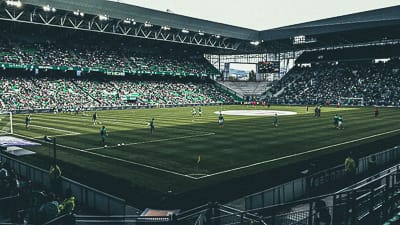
<point x="262" y="14"/>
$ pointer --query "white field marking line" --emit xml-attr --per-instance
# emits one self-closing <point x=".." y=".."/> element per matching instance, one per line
<point x="61" y="135"/>
<point x="197" y="174"/>
<point x="141" y="123"/>
<point x="114" y="158"/>
<point x="298" y="154"/>
<point x="51" y="128"/>
<point x="153" y="141"/>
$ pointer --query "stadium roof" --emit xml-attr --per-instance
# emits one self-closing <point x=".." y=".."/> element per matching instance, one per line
<point x="368" y="19"/>
<point x="233" y="39"/>
<point x="122" y="11"/>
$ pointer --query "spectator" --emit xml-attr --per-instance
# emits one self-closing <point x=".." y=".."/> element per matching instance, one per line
<point x="68" y="205"/>
<point x="349" y="168"/>
<point x="49" y="210"/>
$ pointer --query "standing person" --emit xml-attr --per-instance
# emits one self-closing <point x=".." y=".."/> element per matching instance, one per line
<point x="322" y="214"/>
<point x="27" y="121"/>
<point x="151" y="125"/>
<point x="340" y="122"/>
<point x="94" y="118"/>
<point x="349" y="168"/>
<point x="221" y="120"/>
<point x="103" y="134"/>
<point x="336" y="121"/>
<point x="200" y="111"/>
<point x="193" y="112"/>
<point x="376" y="112"/>
<point x="307" y="108"/>
<point x="55" y="179"/>
<point x="275" y="121"/>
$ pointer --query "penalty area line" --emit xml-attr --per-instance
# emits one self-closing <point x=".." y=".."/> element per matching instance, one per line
<point x="51" y="128"/>
<point x="152" y="141"/>
<point x="115" y="158"/>
<point x="299" y="154"/>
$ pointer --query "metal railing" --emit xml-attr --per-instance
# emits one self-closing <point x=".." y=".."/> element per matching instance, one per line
<point x="85" y="195"/>
<point x="370" y="201"/>
<point x="301" y="187"/>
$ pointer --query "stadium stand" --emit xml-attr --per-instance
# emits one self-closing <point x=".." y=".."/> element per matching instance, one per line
<point x="66" y="93"/>
<point x="186" y="84"/>
<point x="332" y="83"/>
<point x="100" y="58"/>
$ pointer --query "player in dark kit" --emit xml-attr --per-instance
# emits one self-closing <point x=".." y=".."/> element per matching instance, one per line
<point x="27" y="121"/>
<point x="94" y="118"/>
<point x="221" y="120"/>
<point x="151" y="125"/>
<point x="376" y="112"/>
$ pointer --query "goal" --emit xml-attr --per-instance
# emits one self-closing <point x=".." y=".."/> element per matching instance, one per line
<point x="349" y="101"/>
<point x="6" y="126"/>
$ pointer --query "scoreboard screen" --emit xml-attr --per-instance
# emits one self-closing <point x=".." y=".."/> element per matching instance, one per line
<point x="268" y="67"/>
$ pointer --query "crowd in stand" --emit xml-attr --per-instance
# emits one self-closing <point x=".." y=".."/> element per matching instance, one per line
<point x="341" y="83"/>
<point x="96" y="57"/>
<point x="27" y="203"/>
<point x="68" y="94"/>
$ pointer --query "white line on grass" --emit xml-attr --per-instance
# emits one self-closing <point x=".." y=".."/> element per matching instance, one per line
<point x="297" y="154"/>
<point x="153" y="141"/>
<point x="60" y="135"/>
<point x="114" y="158"/>
<point x="51" y="128"/>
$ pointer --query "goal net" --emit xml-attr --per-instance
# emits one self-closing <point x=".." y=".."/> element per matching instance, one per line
<point x="349" y="101"/>
<point x="6" y="126"/>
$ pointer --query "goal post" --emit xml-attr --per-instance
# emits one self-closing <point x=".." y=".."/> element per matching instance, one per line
<point x="6" y="123"/>
<point x="351" y="101"/>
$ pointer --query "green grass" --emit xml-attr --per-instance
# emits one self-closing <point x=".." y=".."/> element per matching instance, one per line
<point x="147" y="166"/>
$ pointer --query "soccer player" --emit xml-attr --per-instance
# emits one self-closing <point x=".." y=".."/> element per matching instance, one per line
<point x="94" y="118"/>
<point x="151" y="125"/>
<point x="103" y="134"/>
<point x="275" y="121"/>
<point x="340" y="122"/>
<point x="27" y="121"/>
<point x="376" y="112"/>
<point x="336" y="121"/>
<point x="193" y="112"/>
<point x="200" y="111"/>
<point x="221" y="120"/>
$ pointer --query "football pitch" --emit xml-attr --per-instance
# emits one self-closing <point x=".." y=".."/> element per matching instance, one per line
<point x="186" y="154"/>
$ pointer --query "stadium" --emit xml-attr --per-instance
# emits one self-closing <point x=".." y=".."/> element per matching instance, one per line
<point x="112" y="113"/>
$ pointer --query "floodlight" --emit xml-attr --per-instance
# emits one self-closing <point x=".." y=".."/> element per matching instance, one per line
<point x="217" y="36"/>
<point x="147" y="24"/>
<point x="165" y="28"/>
<point x="129" y="21"/>
<point x="17" y="4"/>
<point x="255" y="43"/>
<point x="201" y="33"/>
<point x="186" y="31"/>
<point x="78" y="13"/>
<point x="103" y="17"/>
<point x="46" y="8"/>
